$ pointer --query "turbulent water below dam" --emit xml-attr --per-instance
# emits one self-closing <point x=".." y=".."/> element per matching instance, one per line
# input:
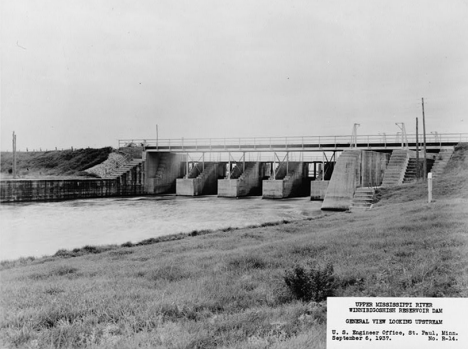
<point x="42" y="228"/>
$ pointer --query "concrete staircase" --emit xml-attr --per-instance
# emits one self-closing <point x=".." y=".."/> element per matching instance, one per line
<point x="396" y="169"/>
<point x="441" y="161"/>
<point x="363" y="198"/>
<point x="114" y="161"/>
<point x="411" y="170"/>
<point x="119" y="172"/>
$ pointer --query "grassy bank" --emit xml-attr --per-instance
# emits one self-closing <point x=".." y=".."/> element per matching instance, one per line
<point x="227" y="289"/>
<point x="59" y="163"/>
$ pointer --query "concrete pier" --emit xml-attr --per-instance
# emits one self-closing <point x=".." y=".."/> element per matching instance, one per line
<point x="242" y="182"/>
<point x="318" y="189"/>
<point x="201" y="181"/>
<point x="346" y="177"/>
<point x="289" y="181"/>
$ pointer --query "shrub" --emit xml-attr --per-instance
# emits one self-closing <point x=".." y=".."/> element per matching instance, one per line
<point x="311" y="283"/>
<point x="193" y="233"/>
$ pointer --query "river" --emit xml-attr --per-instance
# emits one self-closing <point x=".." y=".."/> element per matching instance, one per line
<point x="42" y="228"/>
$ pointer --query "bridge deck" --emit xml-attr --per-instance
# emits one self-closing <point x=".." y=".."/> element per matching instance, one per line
<point x="295" y="144"/>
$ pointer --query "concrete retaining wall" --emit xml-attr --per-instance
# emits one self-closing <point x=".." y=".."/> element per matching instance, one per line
<point x="162" y="170"/>
<point x="373" y="168"/>
<point x="41" y="190"/>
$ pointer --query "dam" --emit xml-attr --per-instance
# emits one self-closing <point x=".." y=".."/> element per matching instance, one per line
<point x="341" y="171"/>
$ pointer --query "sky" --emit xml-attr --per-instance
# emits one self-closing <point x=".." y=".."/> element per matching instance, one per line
<point x="87" y="73"/>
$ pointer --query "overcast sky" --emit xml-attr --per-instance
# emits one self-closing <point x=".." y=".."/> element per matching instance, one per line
<point x="86" y="73"/>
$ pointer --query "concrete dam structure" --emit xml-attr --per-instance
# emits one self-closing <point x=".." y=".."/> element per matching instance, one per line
<point x="336" y="183"/>
<point x="273" y="168"/>
<point x="175" y="173"/>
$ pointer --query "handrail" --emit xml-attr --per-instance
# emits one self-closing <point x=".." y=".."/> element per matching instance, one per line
<point x="288" y="143"/>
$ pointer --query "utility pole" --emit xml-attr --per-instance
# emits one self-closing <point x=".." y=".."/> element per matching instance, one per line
<point x="404" y="136"/>
<point x="14" y="155"/>
<point x="417" y="150"/>
<point x="424" y="139"/>
<point x="354" y="136"/>
<point x="157" y="136"/>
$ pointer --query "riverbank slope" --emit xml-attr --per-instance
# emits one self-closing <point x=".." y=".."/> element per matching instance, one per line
<point x="59" y="164"/>
<point x="51" y="164"/>
<point x="227" y="288"/>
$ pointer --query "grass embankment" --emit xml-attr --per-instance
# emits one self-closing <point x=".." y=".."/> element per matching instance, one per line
<point x="60" y="163"/>
<point x="227" y="289"/>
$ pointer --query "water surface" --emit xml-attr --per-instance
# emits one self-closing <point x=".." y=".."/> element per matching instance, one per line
<point x="37" y="229"/>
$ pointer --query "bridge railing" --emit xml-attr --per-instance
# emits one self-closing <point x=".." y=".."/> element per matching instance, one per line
<point x="274" y="143"/>
<point x="253" y="157"/>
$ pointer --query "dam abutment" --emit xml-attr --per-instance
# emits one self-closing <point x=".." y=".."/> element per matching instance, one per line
<point x="162" y="171"/>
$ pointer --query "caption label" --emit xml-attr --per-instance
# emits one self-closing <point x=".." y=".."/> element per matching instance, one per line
<point x="357" y="322"/>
